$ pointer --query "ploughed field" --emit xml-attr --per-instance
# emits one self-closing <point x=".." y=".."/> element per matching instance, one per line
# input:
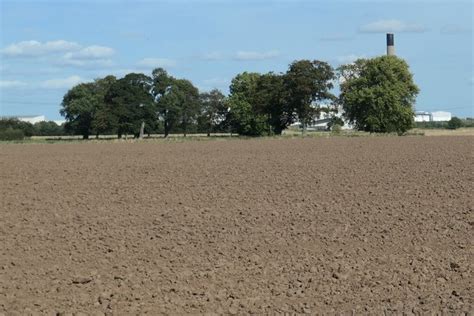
<point x="371" y="225"/>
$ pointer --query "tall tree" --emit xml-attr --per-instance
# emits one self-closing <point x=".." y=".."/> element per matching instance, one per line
<point x="177" y="100"/>
<point x="188" y="102"/>
<point x="244" y="117"/>
<point x="78" y="107"/>
<point x="130" y="103"/>
<point x="309" y="84"/>
<point x="379" y="94"/>
<point x="166" y="103"/>
<point x="271" y="100"/>
<point x="101" y="121"/>
<point x="213" y="110"/>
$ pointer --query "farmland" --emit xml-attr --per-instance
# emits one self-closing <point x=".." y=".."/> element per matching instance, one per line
<point x="369" y="224"/>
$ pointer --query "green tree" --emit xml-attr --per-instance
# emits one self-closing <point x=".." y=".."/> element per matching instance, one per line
<point x="177" y="101"/>
<point x="271" y="100"/>
<point x="165" y="99"/>
<point x="243" y="119"/>
<point x="245" y="85"/>
<point x="130" y="103"/>
<point x="455" y="123"/>
<point x="213" y="110"/>
<point x="102" y="117"/>
<point x="15" y="124"/>
<point x="378" y="94"/>
<point x="309" y="85"/>
<point x="188" y="103"/>
<point x="78" y="107"/>
<point x="11" y="134"/>
<point x="48" y="129"/>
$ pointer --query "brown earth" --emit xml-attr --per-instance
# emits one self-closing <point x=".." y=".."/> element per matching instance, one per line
<point x="365" y="225"/>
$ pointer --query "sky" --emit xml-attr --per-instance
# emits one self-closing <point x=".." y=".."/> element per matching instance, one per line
<point x="47" y="47"/>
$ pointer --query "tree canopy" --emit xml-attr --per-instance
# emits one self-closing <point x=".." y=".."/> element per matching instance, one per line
<point x="378" y="95"/>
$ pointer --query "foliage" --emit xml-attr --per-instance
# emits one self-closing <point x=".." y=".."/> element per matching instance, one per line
<point x="176" y="100"/>
<point x="455" y="123"/>
<point x="11" y="134"/>
<point x="12" y="123"/>
<point x="270" y="100"/>
<point x="378" y="94"/>
<point x="48" y="129"/>
<point x="336" y="129"/>
<point x="129" y="103"/>
<point x="277" y="100"/>
<point x="78" y="107"/>
<point x="213" y="109"/>
<point x="335" y="120"/>
<point x="308" y="84"/>
<point x="245" y="85"/>
<point x="431" y="125"/>
<point x="243" y="120"/>
<point x="38" y="129"/>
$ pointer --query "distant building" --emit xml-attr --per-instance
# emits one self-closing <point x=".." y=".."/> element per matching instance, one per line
<point x="422" y="116"/>
<point x="321" y="123"/>
<point x="26" y="118"/>
<point x="439" y="116"/>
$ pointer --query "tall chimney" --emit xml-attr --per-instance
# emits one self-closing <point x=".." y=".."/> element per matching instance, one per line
<point x="390" y="45"/>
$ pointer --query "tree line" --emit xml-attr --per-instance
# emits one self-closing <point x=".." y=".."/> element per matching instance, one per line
<point x="376" y="95"/>
<point x="13" y="129"/>
<point x="258" y="104"/>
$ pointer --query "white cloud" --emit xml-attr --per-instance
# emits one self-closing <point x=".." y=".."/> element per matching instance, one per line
<point x="156" y="62"/>
<point x="35" y="48"/>
<point x="91" y="52"/>
<point x="63" y="53"/>
<point x="249" y="55"/>
<point x="455" y="29"/>
<point x="384" y="26"/>
<point x="90" y="56"/>
<point x="94" y="63"/>
<point x="62" y="83"/>
<point x="11" y="84"/>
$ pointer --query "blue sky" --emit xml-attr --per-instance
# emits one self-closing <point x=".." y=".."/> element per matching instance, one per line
<point x="47" y="47"/>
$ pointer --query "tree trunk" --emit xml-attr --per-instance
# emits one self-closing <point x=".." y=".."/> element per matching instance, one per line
<point x="166" y="129"/>
<point x="85" y="136"/>
<point x="142" y="130"/>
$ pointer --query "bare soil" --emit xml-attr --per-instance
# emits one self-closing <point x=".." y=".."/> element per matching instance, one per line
<point x="365" y="225"/>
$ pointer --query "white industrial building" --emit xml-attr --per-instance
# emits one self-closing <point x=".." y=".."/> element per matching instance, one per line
<point x="437" y="116"/>
<point x="321" y="122"/>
